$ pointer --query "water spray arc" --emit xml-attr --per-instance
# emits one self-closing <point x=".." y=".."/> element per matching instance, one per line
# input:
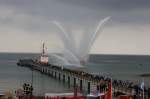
<point x="74" y="54"/>
<point x="67" y="38"/>
<point x="87" y="42"/>
<point x="69" y="44"/>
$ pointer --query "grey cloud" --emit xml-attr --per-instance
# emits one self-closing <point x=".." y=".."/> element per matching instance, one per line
<point x="116" y="5"/>
<point x="35" y="16"/>
<point x="78" y="12"/>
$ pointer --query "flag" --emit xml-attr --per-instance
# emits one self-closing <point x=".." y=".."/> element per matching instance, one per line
<point x="109" y="93"/>
<point x="142" y="85"/>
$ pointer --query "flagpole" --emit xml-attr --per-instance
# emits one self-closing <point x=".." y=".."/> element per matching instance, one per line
<point x="143" y="89"/>
<point x="111" y="88"/>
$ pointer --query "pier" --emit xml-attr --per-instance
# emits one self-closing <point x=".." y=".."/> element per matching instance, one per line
<point x="74" y="78"/>
<point x="86" y="83"/>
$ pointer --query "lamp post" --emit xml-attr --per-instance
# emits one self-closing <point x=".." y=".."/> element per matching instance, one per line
<point x="31" y="81"/>
<point x="32" y="77"/>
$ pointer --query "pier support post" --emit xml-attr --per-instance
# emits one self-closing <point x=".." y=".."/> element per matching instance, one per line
<point x="48" y="72"/>
<point x="52" y="74"/>
<point x="68" y="80"/>
<point x="74" y="82"/>
<point x="89" y="87"/>
<point x="42" y="70"/>
<point x="55" y="74"/>
<point x="63" y="78"/>
<point x="81" y="85"/>
<point x="59" y="76"/>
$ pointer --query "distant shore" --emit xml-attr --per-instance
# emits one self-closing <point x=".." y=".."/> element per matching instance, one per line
<point x="145" y="75"/>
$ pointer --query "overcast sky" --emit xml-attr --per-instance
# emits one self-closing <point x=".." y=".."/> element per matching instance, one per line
<point x="25" y="24"/>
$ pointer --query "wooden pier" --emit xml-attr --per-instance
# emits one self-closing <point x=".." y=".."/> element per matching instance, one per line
<point x="74" y="78"/>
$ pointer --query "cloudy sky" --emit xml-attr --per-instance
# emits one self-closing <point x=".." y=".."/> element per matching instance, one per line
<point x="25" y="24"/>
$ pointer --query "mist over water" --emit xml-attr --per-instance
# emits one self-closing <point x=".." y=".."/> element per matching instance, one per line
<point x="57" y="60"/>
<point x="78" y="55"/>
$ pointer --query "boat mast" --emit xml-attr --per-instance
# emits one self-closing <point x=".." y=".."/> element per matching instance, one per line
<point x="43" y="49"/>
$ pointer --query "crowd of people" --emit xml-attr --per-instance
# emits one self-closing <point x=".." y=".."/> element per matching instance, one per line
<point x="118" y="85"/>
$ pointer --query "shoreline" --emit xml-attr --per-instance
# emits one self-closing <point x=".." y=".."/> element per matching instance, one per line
<point x="145" y="75"/>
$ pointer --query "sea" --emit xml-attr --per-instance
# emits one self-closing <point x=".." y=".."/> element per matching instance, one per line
<point x="121" y="67"/>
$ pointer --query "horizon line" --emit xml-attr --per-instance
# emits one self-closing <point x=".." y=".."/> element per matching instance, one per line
<point x="89" y="54"/>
